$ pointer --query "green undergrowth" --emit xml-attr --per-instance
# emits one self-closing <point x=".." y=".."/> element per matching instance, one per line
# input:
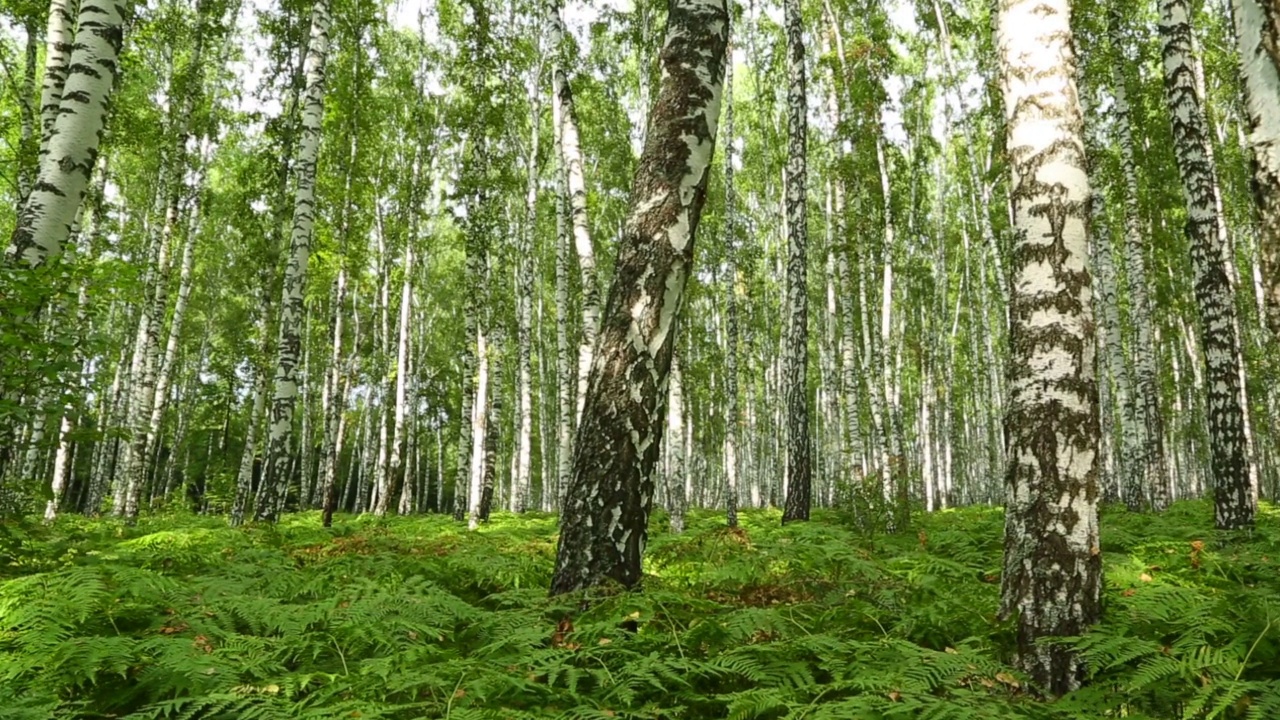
<point x="183" y="617"/>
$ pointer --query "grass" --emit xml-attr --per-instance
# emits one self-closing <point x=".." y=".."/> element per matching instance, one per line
<point x="184" y="617"/>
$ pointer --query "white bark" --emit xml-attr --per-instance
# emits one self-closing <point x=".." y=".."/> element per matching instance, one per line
<point x="44" y="225"/>
<point x="285" y="394"/>
<point x="1257" y="25"/>
<point x="1052" y="564"/>
<point x="575" y="188"/>
<point x="1235" y="497"/>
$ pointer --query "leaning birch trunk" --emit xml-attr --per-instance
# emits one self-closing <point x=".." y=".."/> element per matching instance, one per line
<point x="1235" y="500"/>
<point x="44" y="225"/>
<point x="1052" y="564"/>
<point x="1257" y="24"/>
<point x="1147" y="378"/>
<point x="575" y="188"/>
<point x="58" y="47"/>
<point x="285" y="393"/>
<point x="604" y="524"/>
<point x="799" y="448"/>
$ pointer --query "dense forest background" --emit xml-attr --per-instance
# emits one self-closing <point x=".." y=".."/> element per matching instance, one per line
<point x="353" y="256"/>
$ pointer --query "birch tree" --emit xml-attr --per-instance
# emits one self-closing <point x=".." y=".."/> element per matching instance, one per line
<point x="1257" y="26"/>
<point x="285" y="394"/>
<point x="1052" y="564"/>
<point x="604" y="525"/>
<point x="799" y="447"/>
<point x="1235" y="501"/>
<point x="44" y="225"/>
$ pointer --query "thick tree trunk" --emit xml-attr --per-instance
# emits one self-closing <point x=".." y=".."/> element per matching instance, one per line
<point x="44" y="225"/>
<point x="1257" y="24"/>
<point x="605" y="520"/>
<point x="285" y="394"/>
<point x="799" y="444"/>
<point x="1235" y="501"/>
<point x="1052" y="563"/>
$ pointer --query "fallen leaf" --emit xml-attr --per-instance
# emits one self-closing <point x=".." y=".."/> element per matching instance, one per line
<point x="1008" y="679"/>
<point x="1144" y="577"/>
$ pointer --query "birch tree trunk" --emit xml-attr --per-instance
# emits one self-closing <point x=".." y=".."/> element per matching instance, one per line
<point x="733" y="415"/>
<point x="1052" y="564"/>
<point x="1235" y="501"/>
<point x="244" y="479"/>
<point x="402" y="378"/>
<point x="564" y="385"/>
<point x="58" y="37"/>
<point x="44" y="224"/>
<point x="285" y="393"/>
<point x="799" y="446"/>
<point x="677" y="474"/>
<point x="520" y="483"/>
<point x="1155" y="474"/>
<point x="575" y="188"/>
<point x="1257" y="25"/>
<point x="28" y="140"/>
<point x="604" y="525"/>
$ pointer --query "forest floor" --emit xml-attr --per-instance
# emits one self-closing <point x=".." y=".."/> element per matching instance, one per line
<point x="183" y="617"/>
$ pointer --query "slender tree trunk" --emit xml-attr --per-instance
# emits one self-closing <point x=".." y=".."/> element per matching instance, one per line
<point x="59" y="36"/>
<point x="1052" y="564"/>
<point x="604" y="525"/>
<point x="479" y="425"/>
<point x="677" y="474"/>
<point x="402" y="374"/>
<point x="1155" y="474"/>
<point x="1257" y="25"/>
<point x="799" y="445"/>
<point x="28" y="146"/>
<point x="733" y="415"/>
<point x="244" y="479"/>
<point x="285" y="394"/>
<point x="524" y="313"/>
<point x="565" y="422"/>
<point x="1235" y="501"/>
<point x="575" y="188"/>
